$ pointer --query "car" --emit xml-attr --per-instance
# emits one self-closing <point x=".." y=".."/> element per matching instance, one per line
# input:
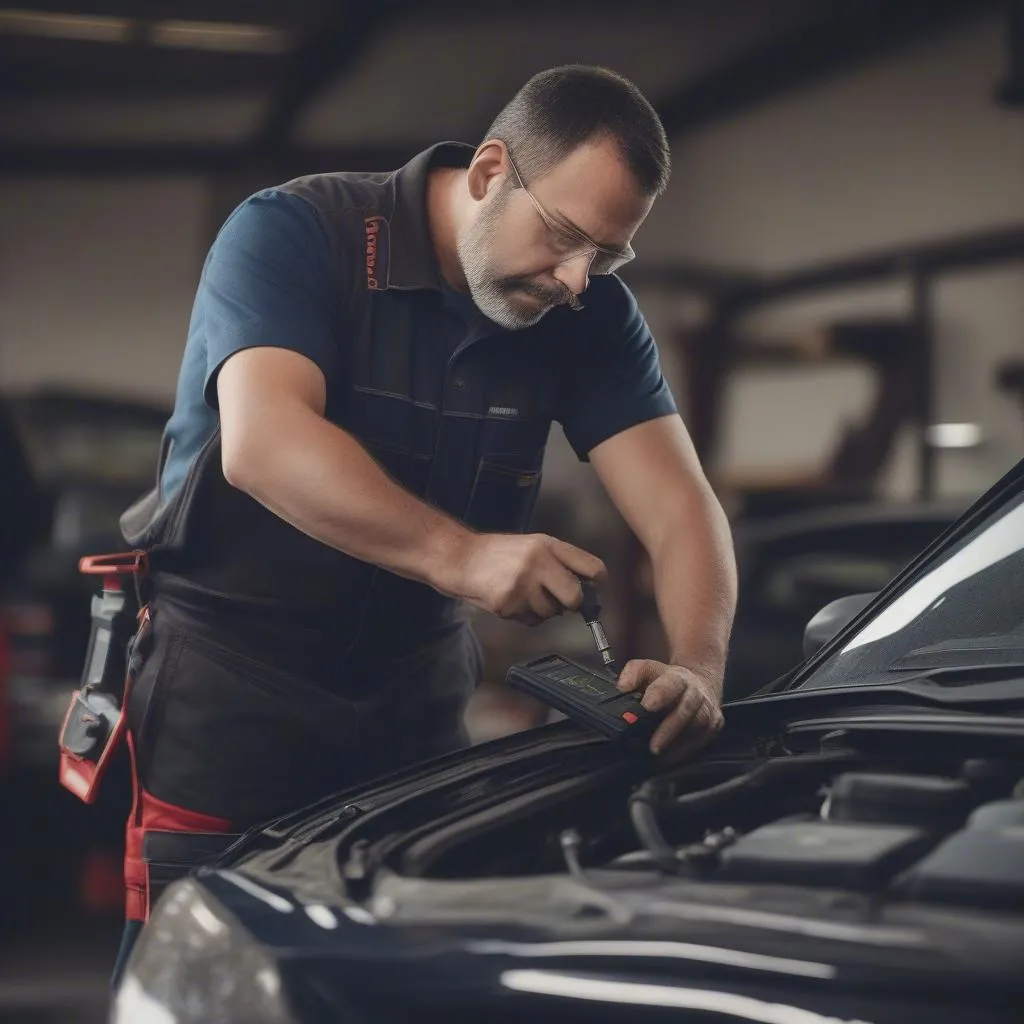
<point x="79" y="460"/>
<point x="791" y="565"/>
<point x="90" y="457"/>
<point x="849" y="849"/>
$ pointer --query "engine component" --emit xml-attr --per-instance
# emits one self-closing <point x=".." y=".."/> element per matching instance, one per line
<point x="841" y="854"/>
<point x="921" y="801"/>
<point x="982" y="865"/>
<point x="655" y="797"/>
<point x="1001" y="814"/>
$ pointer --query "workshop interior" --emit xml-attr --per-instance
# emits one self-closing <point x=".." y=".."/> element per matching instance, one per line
<point x="834" y="278"/>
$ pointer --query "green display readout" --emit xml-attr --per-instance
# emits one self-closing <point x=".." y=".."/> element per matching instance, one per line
<point x="571" y="675"/>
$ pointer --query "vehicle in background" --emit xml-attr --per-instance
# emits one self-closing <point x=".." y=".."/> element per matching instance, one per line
<point x="850" y="848"/>
<point x="88" y="458"/>
<point x="18" y="530"/>
<point x="791" y="565"/>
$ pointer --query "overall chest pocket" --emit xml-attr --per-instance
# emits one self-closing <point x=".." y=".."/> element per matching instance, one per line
<point x="504" y="493"/>
<point x="518" y="411"/>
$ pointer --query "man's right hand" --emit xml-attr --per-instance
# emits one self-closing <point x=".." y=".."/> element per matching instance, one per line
<point x="527" y="577"/>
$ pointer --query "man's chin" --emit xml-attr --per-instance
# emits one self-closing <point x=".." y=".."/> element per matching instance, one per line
<point x="514" y="316"/>
<point x="514" y="307"/>
<point x="531" y="308"/>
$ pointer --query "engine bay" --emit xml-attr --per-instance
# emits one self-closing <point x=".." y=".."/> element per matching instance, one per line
<point x="905" y="849"/>
<point x="934" y="831"/>
<point x="953" y="838"/>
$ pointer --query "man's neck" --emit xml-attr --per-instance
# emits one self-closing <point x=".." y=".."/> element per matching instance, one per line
<point x="443" y="186"/>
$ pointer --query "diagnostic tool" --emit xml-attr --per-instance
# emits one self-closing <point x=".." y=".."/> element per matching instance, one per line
<point x="586" y="696"/>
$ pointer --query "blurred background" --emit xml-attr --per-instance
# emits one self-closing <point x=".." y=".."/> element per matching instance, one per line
<point x="835" y="278"/>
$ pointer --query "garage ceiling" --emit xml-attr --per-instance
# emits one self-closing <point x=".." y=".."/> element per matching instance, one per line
<point x="122" y="86"/>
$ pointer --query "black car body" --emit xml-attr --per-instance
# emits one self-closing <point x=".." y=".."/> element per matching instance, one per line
<point x="851" y="848"/>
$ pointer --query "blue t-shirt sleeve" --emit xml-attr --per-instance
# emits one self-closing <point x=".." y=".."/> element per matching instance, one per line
<point x="270" y="280"/>
<point x="614" y="379"/>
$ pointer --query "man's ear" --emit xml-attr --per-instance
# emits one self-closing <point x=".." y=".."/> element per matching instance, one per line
<point x="489" y="165"/>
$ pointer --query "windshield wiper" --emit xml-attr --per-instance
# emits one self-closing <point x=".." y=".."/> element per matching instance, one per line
<point x="984" y="658"/>
<point x="996" y="656"/>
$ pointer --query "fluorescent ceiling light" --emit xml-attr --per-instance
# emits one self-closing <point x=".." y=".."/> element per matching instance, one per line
<point x="89" y="27"/>
<point x="954" y="435"/>
<point x="220" y="36"/>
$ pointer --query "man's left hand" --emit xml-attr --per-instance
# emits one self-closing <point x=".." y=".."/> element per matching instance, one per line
<point x="691" y="704"/>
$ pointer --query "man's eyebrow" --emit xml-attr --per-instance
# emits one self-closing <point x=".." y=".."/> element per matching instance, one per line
<point x="576" y="229"/>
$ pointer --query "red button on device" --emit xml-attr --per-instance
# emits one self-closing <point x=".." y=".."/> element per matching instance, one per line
<point x="629" y="717"/>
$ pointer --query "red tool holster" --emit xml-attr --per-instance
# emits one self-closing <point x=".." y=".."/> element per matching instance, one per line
<point x="95" y="721"/>
<point x="162" y="841"/>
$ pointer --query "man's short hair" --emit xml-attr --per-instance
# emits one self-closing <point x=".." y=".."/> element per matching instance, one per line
<point x="564" y="107"/>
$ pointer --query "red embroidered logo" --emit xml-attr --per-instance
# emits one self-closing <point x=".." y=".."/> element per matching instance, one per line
<point x="374" y="239"/>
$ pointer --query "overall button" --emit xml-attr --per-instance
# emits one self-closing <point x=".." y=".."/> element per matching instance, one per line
<point x="458" y="383"/>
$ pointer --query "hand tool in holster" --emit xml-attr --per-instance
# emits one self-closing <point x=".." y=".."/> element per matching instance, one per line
<point x="118" y="638"/>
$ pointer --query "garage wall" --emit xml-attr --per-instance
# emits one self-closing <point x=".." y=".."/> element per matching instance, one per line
<point x="97" y="278"/>
<point x="96" y="282"/>
<point x="903" y="150"/>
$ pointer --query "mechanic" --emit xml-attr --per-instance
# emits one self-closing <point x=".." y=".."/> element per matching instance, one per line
<point x="373" y="365"/>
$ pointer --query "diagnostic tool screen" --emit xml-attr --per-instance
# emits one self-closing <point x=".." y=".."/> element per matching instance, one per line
<point x="569" y="675"/>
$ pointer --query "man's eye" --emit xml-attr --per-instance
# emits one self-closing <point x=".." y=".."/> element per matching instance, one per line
<point x="567" y="242"/>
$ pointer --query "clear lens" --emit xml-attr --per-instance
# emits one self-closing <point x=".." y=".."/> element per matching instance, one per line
<point x="607" y="264"/>
<point x="193" y="964"/>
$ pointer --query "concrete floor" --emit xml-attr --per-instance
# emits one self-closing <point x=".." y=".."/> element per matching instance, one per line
<point x="58" y="974"/>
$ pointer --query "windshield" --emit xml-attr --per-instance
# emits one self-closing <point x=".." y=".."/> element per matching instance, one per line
<point x="966" y="608"/>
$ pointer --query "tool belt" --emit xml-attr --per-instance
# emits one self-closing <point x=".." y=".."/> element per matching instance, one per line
<point x="118" y="642"/>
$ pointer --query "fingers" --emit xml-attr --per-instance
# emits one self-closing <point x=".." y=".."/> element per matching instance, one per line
<point x="562" y="578"/>
<point x="578" y="561"/>
<point x="564" y="587"/>
<point x="638" y="674"/>
<point x="691" y="719"/>
<point x="544" y="604"/>
<point x="694" y="738"/>
<point x="537" y="577"/>
<point x="689" y="722"/>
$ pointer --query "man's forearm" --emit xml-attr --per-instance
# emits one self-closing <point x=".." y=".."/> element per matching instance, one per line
<point x="695" y="588"/>
<point x="319" y="479"/>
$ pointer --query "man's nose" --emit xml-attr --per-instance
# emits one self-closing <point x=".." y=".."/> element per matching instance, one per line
<point x="575" y="273"/>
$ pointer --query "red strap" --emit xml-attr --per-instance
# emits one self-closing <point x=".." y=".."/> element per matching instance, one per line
<point x="135" y="879"/>
<point x="124" y="563"/>
<point x="149" y="813"/>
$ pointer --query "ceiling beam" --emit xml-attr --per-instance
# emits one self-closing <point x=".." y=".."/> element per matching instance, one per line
<point x="971" y="251"/>
<point x="840" y="36"/>
<point x="331" y="47"/>
<point x="263" y="12"/>
<point x="173" y="159"/>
